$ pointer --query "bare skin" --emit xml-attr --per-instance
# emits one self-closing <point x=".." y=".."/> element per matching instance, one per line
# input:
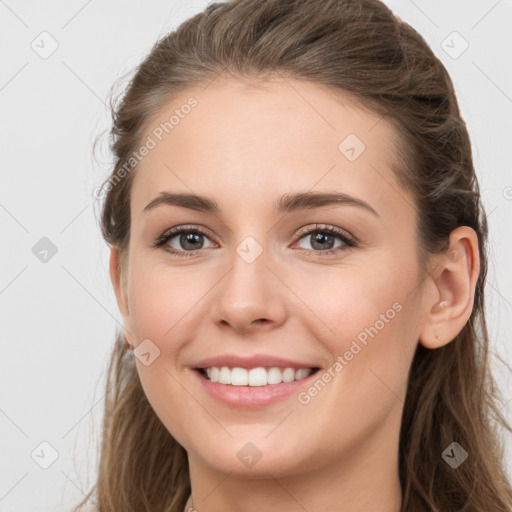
<point x="246" y="147"/>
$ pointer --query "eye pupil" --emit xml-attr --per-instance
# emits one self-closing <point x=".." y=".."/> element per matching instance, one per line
<point x="323" y="240"/>
<point x="190" y="238"/>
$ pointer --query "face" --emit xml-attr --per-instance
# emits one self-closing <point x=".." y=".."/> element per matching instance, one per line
<point x="328" y="292"/>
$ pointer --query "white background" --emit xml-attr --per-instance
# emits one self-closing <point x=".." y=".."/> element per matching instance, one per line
<point x="59" y="317"/>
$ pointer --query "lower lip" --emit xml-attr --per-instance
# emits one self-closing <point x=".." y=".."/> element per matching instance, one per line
<point x="253" y="396"/>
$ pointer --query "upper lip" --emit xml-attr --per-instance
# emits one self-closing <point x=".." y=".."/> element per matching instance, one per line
<point x="253" y="361"/>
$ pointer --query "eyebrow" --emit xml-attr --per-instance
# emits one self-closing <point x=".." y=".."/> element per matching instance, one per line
<point x="287" y="203"/>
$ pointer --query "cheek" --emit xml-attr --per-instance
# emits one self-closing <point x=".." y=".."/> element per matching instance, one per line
<point x="368" y="316"/>
<point x="372" y="351"/>
<point x="344" y="302"/>
<point x="162" y="311"/>
<point x="165" y="393"/>
<point x="162" y="300"/>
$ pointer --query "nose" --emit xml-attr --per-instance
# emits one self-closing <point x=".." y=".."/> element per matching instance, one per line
<point x="250" y="296"/>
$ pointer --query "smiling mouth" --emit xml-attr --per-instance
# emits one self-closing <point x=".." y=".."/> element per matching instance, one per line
<point x="259" y="376"/>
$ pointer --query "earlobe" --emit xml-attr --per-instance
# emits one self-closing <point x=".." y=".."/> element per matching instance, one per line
<point x="451" y="295"/>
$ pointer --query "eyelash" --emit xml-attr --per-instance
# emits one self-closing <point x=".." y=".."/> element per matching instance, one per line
<point x="347" y="240"/>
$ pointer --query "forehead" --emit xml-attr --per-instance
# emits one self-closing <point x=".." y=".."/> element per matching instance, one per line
<point x="247" y="144"/>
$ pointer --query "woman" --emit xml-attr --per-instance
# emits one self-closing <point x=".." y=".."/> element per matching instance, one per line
<point x="298" y="251"/>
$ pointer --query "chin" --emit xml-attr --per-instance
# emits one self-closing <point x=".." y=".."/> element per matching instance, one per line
<point x="251" y="459"/>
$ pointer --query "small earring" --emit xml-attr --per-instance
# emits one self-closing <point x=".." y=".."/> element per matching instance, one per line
<point x="443" y="303"/>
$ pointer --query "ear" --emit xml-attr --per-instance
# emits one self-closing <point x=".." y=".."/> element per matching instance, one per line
<point x="451" y="289"/>
<point x="119" y="284"/>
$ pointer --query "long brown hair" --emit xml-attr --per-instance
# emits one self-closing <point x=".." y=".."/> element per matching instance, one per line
<point x="360" y="48"/>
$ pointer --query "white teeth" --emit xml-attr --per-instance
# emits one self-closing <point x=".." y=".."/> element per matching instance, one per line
<point x="225" y="375"/>
<point x="274" y="376"/>
<point x="239" y="377"/>
<point x="255" y="376"/>
<point x="302" y="373"/>
<point x="289" y="375"/>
